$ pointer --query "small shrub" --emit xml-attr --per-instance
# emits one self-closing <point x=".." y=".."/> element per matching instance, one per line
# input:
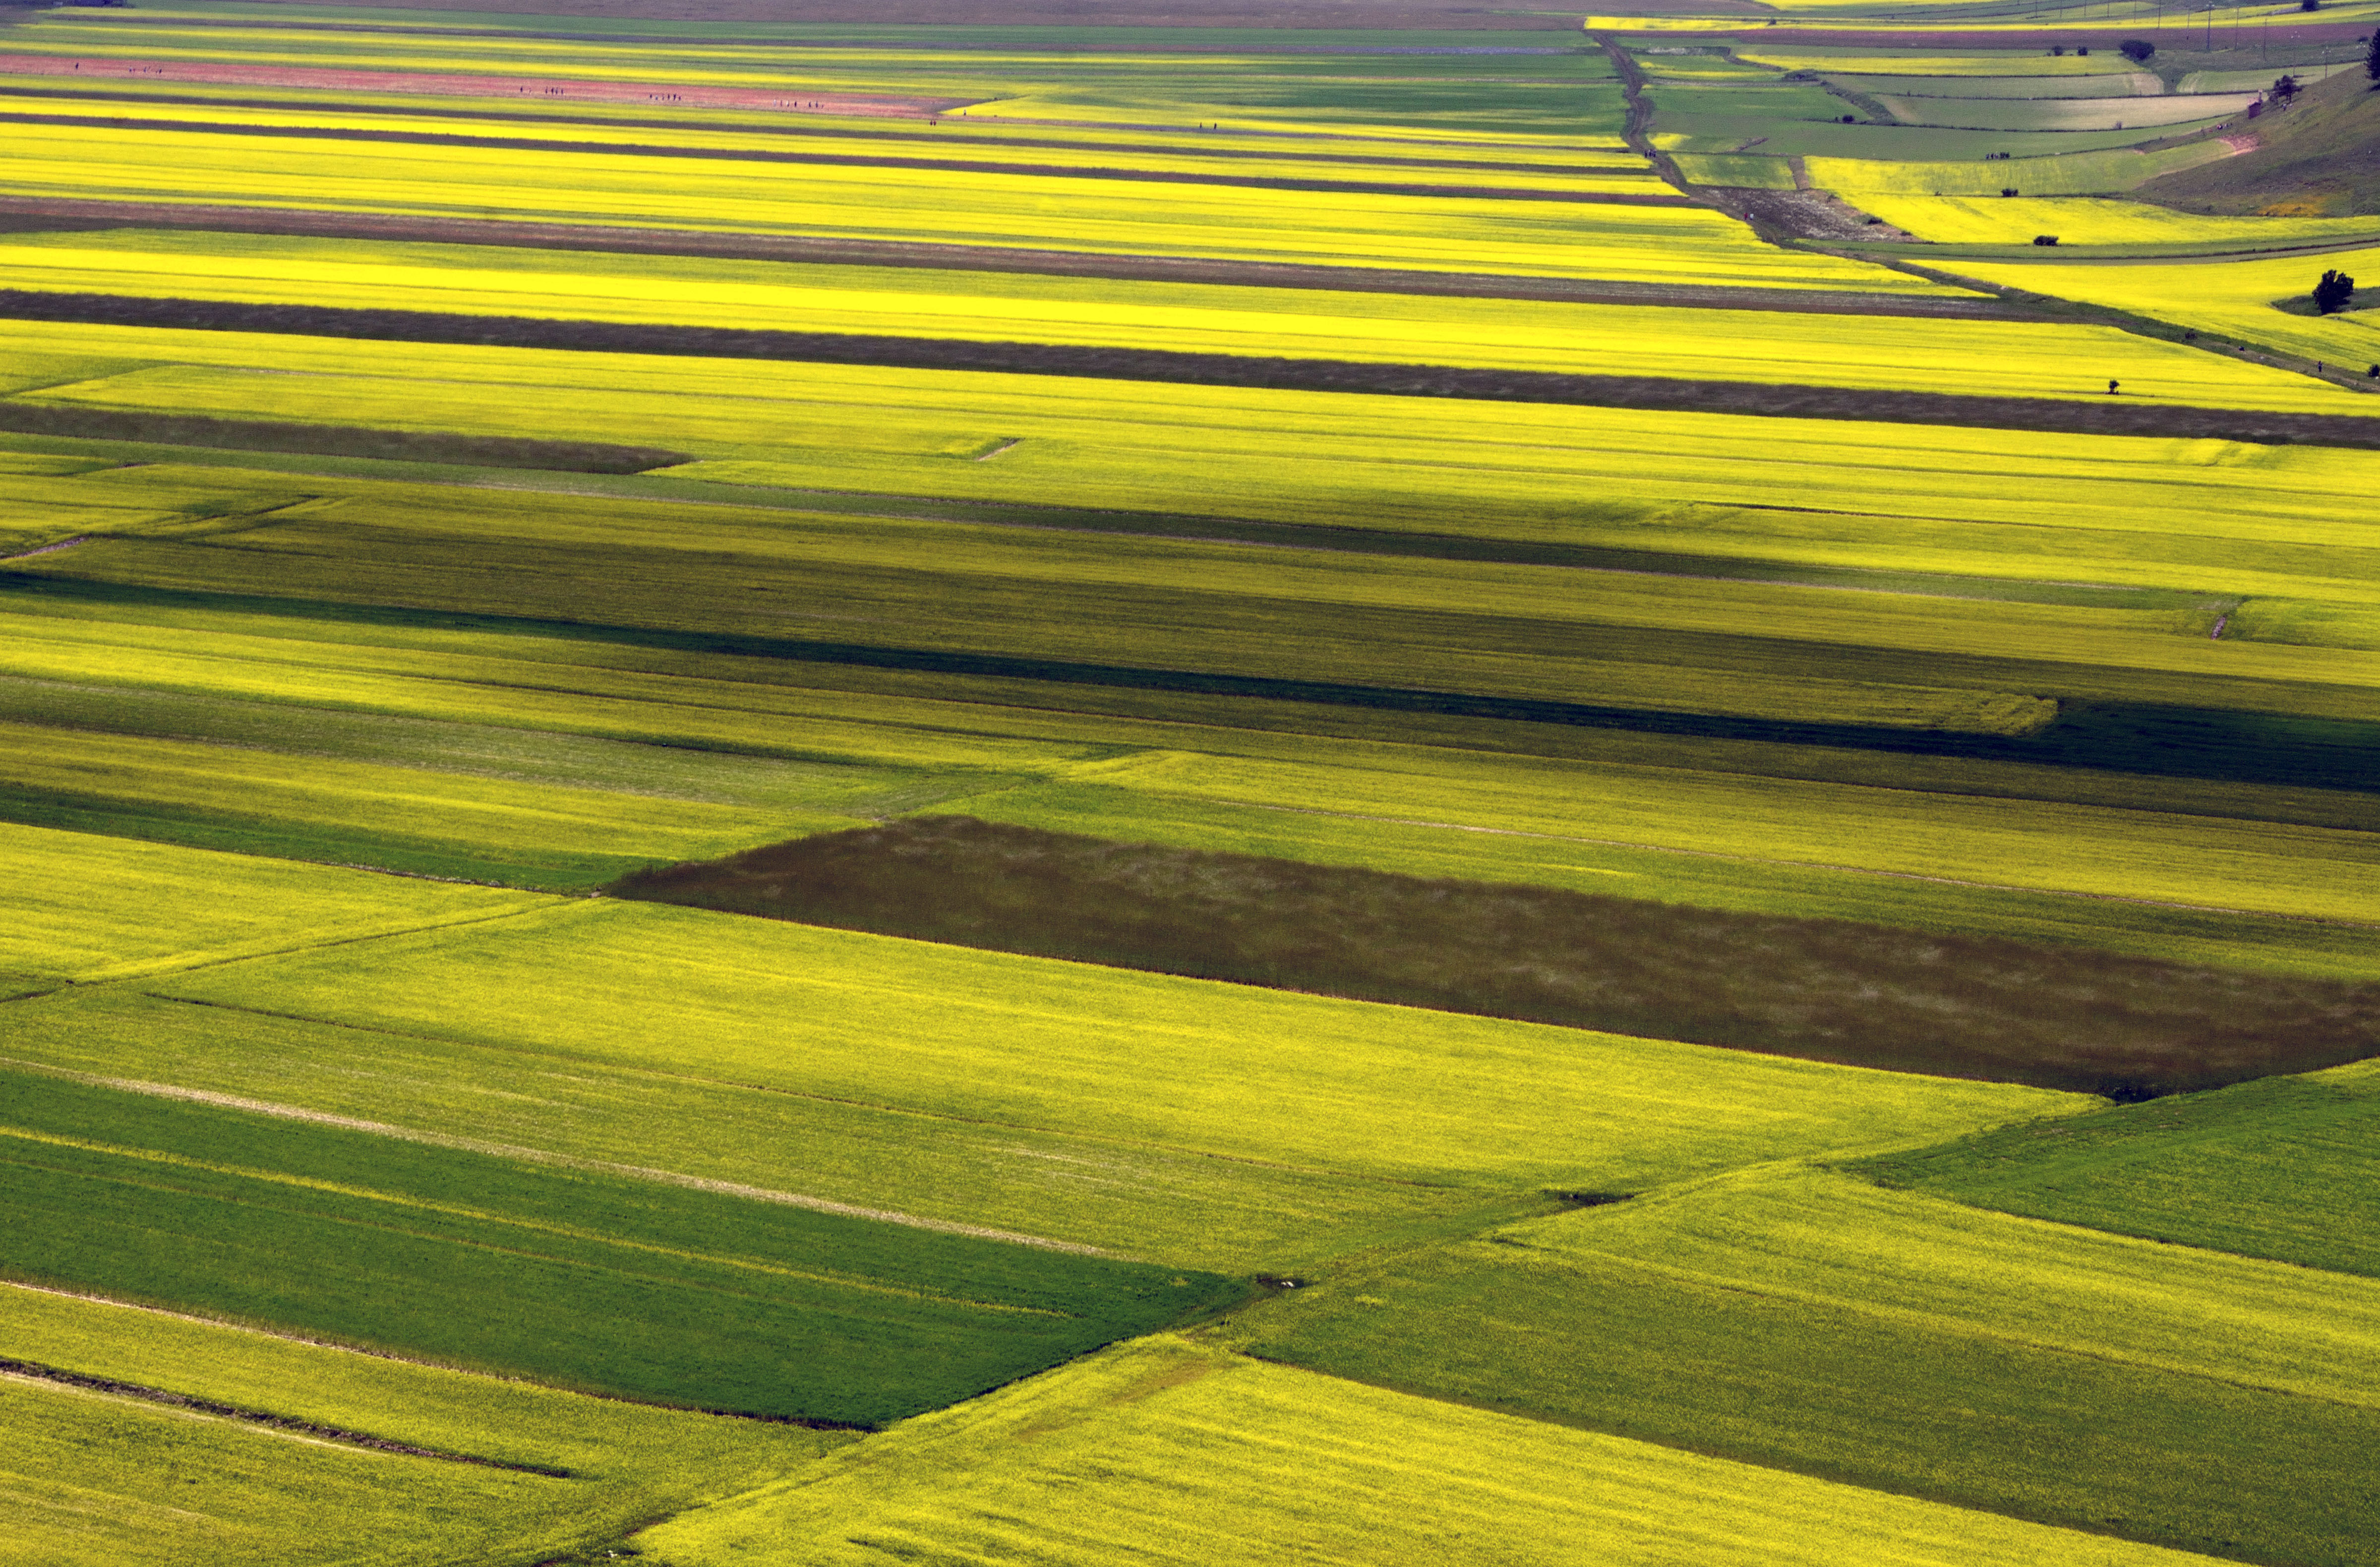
<point x="2137" y="50"/>
<point x="2045" y="239"/>
<point x="2007" y="189"/>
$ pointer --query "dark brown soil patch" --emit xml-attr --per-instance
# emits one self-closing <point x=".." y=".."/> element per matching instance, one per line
<point x="2112" y="417"/>
<point x="848" y="160"/>
<point x="25" y="212"/>
<point x="331" y="440"/>
<point x="1822" y="990"/>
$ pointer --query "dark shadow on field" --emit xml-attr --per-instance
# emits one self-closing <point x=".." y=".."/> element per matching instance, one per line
<point x="330" y="440"/>
<point x="1824" y="990"/>
<point x="2141" y="738"/>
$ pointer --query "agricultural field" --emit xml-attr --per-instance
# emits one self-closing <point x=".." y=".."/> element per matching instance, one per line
<point x="1355" y="783"/>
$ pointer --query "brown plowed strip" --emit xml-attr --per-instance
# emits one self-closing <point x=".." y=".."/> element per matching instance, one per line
<point x="2102" y="416"/>
<point x="853" y="160"/>
<point x="63" y="212"/>
<point x="288" y="1424"/>
<point x="542" y="89"/>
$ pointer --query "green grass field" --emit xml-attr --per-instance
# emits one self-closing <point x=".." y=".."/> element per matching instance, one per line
<point x="2224" y="1170"/>
<point x="579" y="1278"/>
<point x="101" y="1478"/>
<point x="1166" y="1438"/>
<point x="1918" y="1347"/>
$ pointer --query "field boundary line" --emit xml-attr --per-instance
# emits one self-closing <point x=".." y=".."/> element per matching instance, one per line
<point x="1804" y="864"/>
<point x="542" y="1156"/>
<point x="164" y="967"/>
<point x="285" y="1426"/>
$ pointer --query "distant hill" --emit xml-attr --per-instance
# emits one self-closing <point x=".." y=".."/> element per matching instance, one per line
<point x="2318" y="158"/>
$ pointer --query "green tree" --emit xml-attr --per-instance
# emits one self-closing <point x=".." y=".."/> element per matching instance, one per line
<point x="2372" y="61"/>
<point x="2137" y="50"/>
<point x="2333" y="293"/>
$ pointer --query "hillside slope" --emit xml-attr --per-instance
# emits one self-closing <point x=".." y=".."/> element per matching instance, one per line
<point x="2319" y="158"/>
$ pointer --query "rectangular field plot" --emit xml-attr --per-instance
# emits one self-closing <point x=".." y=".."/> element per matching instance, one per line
<point x="2038" y="1372"/>
<point x="2232" y="1171"/>
<point x="1349" y="1090"/>
<point x="660" y="1292"/>
<point x="1083" y="1466"/>
<point x="103" y="1478"/>
<point x="85" y="907"/>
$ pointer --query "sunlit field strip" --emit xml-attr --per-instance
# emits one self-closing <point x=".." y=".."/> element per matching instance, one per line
<point x="2234" y="297"/>
<point x="1108" y="216"/>
<point x="87" y="908"/>
<point x="1955" y="357"/>
<point x="151" y="97"/>
<point x="1966" y="220"/>
<point x="2140" y="511"/>
<point x="335" y="124"/>
<point x="2072" y="173"/>
<point x="1167" y="1437"/>
<point x="1350" y="1088"/>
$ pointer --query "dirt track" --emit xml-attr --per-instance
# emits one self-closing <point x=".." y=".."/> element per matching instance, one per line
<point x="2096" y="416"/>
<point x="29" y="213"/>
